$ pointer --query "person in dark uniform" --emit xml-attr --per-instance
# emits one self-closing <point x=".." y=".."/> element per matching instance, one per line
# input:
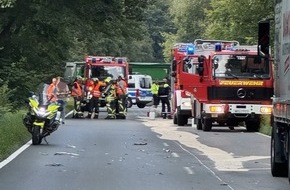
<point x="163" y="94"/>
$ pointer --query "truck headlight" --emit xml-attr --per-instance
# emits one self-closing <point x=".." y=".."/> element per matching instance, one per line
<point x="266" y="110"/>
<point x="216" y="109"/>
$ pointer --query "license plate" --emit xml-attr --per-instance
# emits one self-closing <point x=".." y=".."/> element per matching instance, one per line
<point x="241" y="111"/>
<point x="214" y="115"/>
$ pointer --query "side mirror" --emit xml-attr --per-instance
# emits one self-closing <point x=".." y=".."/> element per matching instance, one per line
<point x="200" y="71"/>
<point x="215" y="65"/>
<point x="173" y="65"/>
<point x="200" y="68"/>
<point x="264" y="37"/>
<point x="201" y="59"/>
<point x="31" y="93"/>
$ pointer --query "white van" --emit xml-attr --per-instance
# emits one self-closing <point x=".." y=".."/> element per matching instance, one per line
<point x="139" y="89"/>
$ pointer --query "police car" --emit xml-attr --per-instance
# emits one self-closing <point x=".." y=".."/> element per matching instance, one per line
<point x="139" y="90"/>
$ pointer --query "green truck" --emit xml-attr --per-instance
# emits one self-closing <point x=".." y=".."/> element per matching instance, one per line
<point x="157" y="71"/>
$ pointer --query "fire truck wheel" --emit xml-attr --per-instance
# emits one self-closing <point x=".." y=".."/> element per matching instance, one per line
<point x="231" y="127"/>
<point x="174" y="119"/>
<point x="198" y="124"/>
<point x="278" y="169"/>
<point x="206" y="124"/>
<point x="181" y="120"/>
<point x="252" y="126"/>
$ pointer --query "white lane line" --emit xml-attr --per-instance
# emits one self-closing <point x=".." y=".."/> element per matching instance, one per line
<point x="15" y="154"/>
<point x="175" y="155"/>
<point x="165" y="144"/>
<point x="188" y="170"/>
<point x="210" y="170"/>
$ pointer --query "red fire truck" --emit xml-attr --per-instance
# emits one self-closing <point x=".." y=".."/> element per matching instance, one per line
<point x="228" y="85"/>
<point x="102" y="67"/>
<point x="180" y="100"/>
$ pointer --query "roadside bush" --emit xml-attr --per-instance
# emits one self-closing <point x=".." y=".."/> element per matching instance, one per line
<point x="13" y="134"/>
<point x="6" y="106"/>
<point x="266" y="125"/>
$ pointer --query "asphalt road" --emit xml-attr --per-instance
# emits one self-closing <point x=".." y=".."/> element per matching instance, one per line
<point x="139" y="153"/>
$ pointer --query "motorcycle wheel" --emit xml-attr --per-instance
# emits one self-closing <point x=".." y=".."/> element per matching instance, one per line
<point x="36" y="136"/>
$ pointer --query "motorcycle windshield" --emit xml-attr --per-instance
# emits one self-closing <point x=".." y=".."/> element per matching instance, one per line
<point x="41" y="94"/>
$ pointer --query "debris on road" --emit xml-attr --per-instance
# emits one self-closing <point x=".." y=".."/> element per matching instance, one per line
<point x="54" y="164"/>
<point x="66" y="153"/>
<point x="142" y="143"/>
<point x="70" y="146"/>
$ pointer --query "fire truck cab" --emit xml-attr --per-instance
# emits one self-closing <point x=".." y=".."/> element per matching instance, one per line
<point x="229" y="84"/>
<point x="104" y="67"/>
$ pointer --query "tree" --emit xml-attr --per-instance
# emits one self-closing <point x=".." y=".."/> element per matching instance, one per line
<point x="237" y="20"/>
<point x="38" y="37"/>
<point x="159" y="22"/>
<point x="188" y="17"/>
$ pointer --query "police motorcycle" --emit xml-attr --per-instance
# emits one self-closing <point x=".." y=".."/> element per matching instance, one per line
<point x="43" y="116"/>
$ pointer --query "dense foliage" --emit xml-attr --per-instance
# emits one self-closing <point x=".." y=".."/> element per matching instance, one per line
<point x="37" y="37"/>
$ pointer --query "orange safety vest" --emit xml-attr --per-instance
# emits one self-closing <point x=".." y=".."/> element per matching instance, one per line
<point x="96" y="90"/>
<point x="120" y="90"/>
<point x="89" y="85"/>
<point x="51" y="95"/>
<point x="76" y="91"/>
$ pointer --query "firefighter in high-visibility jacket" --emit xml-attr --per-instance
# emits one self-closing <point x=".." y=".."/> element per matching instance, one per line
<point x="121" y="110"/>
<point x="94" y="101"/>
<point x="110" y="93"/>
<point x="77" y="94"/>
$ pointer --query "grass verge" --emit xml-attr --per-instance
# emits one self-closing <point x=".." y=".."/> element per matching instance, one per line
<point x="13" y="134"/>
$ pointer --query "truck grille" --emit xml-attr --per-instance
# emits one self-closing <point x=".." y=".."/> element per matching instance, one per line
<point x="239" y="93"/>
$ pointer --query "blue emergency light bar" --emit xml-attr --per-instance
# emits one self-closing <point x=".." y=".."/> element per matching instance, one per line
<point x="218" y="47"/>
<point x="186" y="47"/>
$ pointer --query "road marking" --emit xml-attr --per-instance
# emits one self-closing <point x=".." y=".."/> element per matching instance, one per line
<point x="210" y="170"/>
<point x="15" y="154"/>
<point x="165" y="144"/>
<point x="188" y="170"/>
<point x="175" y="155"/>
